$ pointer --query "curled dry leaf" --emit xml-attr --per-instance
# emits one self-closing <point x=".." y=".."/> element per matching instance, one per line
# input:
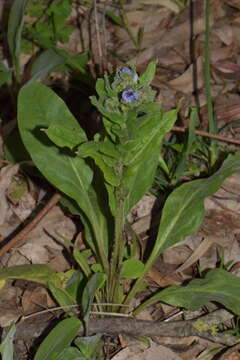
<point x="224" y="33"/>
<point x="184" y="82"/>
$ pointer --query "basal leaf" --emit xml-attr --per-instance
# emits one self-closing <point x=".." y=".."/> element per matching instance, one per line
<point x="71" y="353"/>
<point x="58" y="286"/>
<point x="96" y="282"/>
<point x="39" y="107"/>
<point x="89" y="345"/>
<point x="131" y="269"/>
<point x="183" y="211"/>
<point x="58" y="339"/>
<point x="75" y="284"/>
<point x="6" y="346"/>
<point x="80" y="259"/>
<point x="15" y="25"/>
<point x="37" y="273"/>
<point x="218" y="285"/>
<point x="45" y="63"/>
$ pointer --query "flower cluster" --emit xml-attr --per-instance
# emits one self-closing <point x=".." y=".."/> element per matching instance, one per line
<point x="132" y="94"/>
<point x="126" y="91"/>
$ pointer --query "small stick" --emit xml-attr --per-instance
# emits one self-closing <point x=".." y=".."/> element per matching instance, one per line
<point x="204" y="133"/>
<point x="21" y="236"/>
<point x="100" y="52"/>
<point x="133" y="327"/>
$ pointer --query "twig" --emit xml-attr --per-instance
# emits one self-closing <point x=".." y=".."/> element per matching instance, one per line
<point x="206" y="134"/>
<point x="207" y="69"/>
<point x="100" y="52"/>
<point x="134" y="327"/>
<point x="21" y="236"/>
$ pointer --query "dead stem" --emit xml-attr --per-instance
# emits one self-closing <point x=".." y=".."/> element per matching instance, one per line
<point x="20" y="238"/>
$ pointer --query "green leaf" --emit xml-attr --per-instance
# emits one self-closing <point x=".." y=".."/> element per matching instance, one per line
<point x="80" y="259"/>
<point x="6" y="347"/>
<point x="15" y="24"/>
<point x="75" y="61"/>
<point x="163" y="165"/>
<point x="131" y="269"/>
<point x="148" y="76"/>
<point x="105" y="161"/>
<point x="37" y="273"/>
<point x="218" y="285"/>
<point x="183" y="211"/>
<point x="39" y="107"/>
<point x="75" y="284"/>
<point x="100" y="88"/>
<point x="70" y="353"/>
<point x="95" y="283"/>
<point x="89" y="345"/>
<point x="45" y="63"/>
<point x="64" y="137"/>
<point x="63" y="298"/>
<point x="71" y="205"/>
<point x="116" y="19"/>
<point x="58" y="339"/>
<point x="35" y="9"/>
<point x="136" y="179"/>
<point x="54" y="28"/>
<point x="14" y="149"/>
<point x="5" y="77"/>
<point x="96" y="268"/>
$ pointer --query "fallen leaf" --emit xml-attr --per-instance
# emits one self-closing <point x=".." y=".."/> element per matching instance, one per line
<point x="6" y="174"/>
<point x="166" y="3"/>
<point x="154" y="352"/>
<point x="184" y="82"/>
<point x="225" y="34"/>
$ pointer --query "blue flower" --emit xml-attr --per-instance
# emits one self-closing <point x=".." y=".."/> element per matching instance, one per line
<point x="129" y="95"/>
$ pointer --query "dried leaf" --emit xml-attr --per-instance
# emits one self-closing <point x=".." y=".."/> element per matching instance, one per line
<point x="171" y="5"/>
<point x="6" y="174"/>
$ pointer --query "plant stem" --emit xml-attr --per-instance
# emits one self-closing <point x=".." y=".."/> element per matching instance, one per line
<point x="118" y="247"/>
<point x="207" y="78"/>
<point x="127" y="27"/>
